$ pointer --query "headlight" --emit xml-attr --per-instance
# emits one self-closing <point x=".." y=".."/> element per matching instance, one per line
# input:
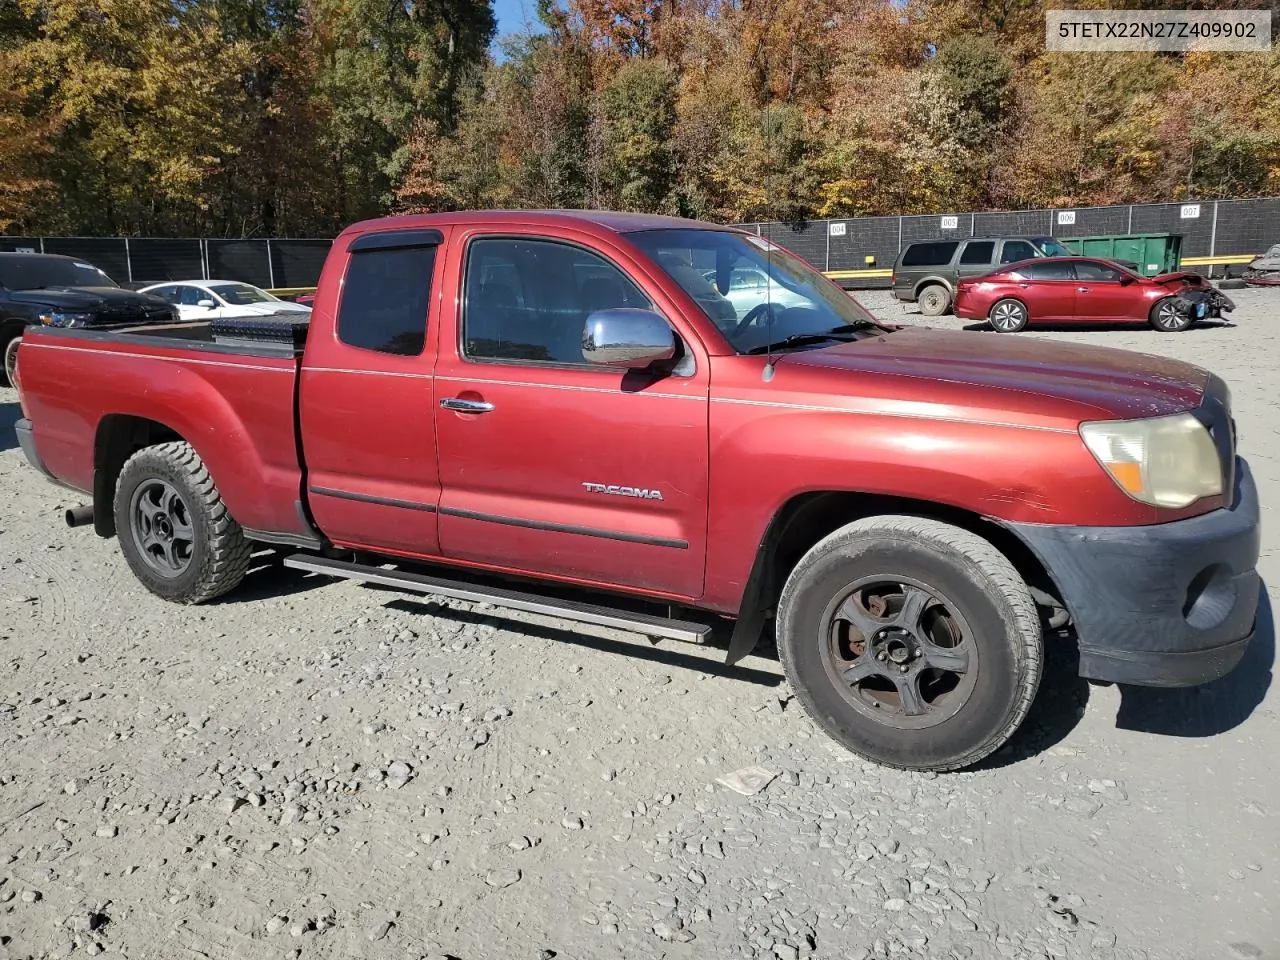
<point x="58" y="318"/>
<point x="1164" y="461"/>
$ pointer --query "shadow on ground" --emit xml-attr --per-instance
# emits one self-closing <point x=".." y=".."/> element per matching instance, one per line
<point x="1212" y="708"/>
<point x="1059" y="704"/>
<point x="1199" y="327"/>
<point x="268" y="577"/>
<point x="666" y="653"/>
<point x="10" y="413"/>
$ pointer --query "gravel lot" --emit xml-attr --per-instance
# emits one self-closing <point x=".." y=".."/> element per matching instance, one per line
<point x="321" y="769"/>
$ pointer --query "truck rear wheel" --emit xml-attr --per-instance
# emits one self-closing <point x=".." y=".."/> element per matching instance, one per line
<point x="911" y="642"/>
<point x="175" y="531"/>
<point x="934" y="300"/>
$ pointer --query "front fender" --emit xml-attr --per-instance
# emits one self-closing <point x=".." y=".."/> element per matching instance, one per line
<point x="762" y="462"/>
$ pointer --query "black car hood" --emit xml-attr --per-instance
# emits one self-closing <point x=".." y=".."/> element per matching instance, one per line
<point x="83" y="298"/>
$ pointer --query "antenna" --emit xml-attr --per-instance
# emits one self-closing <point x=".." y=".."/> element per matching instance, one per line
<point x="767" y="373"/>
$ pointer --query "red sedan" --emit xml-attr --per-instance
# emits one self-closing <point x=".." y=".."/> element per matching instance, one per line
<point x="1085" y="290"/>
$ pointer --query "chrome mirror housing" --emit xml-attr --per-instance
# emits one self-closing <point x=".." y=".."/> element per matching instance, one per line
<point x="627" y="337"/>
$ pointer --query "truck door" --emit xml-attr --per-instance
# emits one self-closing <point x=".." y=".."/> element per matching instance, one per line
<point x="366" y="399"/>
<point x="549" y="464"/>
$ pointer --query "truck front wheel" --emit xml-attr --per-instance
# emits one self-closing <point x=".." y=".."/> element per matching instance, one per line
<point x="175" y="531"/>
<point x="911" y="642"/>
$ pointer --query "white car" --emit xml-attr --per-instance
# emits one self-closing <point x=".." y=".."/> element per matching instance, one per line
<point x="749" y="287"/>
<point x="213" y="299"/>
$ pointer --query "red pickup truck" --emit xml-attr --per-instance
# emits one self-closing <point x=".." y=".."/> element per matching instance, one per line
<point x="691" y="426"/>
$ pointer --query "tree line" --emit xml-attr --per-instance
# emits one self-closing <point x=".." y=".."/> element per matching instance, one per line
<point x="297" y="117"/>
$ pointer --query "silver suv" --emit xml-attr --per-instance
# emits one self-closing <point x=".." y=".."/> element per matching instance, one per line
<point x="927" y="271"/>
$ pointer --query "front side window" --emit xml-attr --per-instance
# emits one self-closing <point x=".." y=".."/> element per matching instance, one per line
<point x="384" y="300"/>
<point x="1053" y="270"/>
<point x="1015" y="250"/>
<point x="191" y="296"/>
<point x="1052" y="248"/>
<point x="1096" y="272"/>
<point x="529" y="299"/>
<point x="796" y="305"/>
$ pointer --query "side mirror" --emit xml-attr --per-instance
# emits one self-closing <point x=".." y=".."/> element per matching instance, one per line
<point x="207" y="304"/>
<point x="627" y="337"/>
<point x="1125" y="280"/>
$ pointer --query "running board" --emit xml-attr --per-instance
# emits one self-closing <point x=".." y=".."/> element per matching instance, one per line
<point x="646" y="624"/>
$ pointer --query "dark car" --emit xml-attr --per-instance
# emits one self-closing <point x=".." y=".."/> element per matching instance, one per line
<point x="1087" y="290"/>
<point x="59" y="291"/>
<point x="927" y="271"/>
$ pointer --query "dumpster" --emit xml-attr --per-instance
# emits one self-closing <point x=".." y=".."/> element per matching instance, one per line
<point x="1153" y="253"/>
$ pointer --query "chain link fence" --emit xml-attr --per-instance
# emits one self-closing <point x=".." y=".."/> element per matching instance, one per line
<point x="137" y="261"/>
<point x="1219" y="236"/>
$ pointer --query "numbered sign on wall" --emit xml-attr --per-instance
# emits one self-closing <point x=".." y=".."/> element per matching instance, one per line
<point x="1190" y="211"/>
<point x="836" y="229"/>
<point x="950" y="223"/>
<point x="1066" y="218"/>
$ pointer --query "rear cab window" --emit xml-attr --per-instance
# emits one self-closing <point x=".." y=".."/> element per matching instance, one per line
<point x="385" y="294"/>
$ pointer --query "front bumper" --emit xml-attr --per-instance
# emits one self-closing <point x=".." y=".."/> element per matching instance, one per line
<point x="1166" y="605"/>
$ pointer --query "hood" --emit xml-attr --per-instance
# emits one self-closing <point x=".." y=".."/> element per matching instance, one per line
<point x="1178" y="275"/>
<point x="996" y="377"/>
<point x="1268" y="261"/>
<point x="265" y="309"/>
<point x="84" y="298"/>
<point x="108" y="305"/>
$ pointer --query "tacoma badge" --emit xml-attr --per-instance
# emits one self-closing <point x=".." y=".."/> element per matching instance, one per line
<point x="617" y="491"/>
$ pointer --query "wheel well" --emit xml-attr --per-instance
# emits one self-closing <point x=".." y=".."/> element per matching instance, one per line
<point x="808" y="517"/>
<point x="933" y="282"/>
<point x="1017" y="300"/>
<point x="119" y="437"/>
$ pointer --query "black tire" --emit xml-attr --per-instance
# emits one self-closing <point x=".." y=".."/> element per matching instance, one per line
<point x="1230" y="284"/>
<point x="1166" y="318"/>
<point x="934" y="300"/>
<point x="205" y="553"/>
<point x="1008" y="316"/>
<point x="9" y="353"/>
<point x="973" y="585"/>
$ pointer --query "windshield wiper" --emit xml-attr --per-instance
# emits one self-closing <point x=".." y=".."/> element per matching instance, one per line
<point x="842" y="333"/>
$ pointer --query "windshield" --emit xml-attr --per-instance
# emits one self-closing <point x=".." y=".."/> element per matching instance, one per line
<point x="755" y="292"/>
<point x="242" y="294"/>
<point x="20" y="273"/>
<point x="1053" y="248"/>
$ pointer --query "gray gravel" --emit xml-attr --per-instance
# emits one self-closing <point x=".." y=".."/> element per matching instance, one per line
<point x="317" y="769"/>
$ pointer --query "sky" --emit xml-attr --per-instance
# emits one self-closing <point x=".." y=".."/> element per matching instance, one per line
<point x="514" y="15"/>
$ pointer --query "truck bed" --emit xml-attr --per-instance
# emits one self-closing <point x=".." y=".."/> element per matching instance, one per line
<point x="228" y="387"/>
<point x="280" y="335"/>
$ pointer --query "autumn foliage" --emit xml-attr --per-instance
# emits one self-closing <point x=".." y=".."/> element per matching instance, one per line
<point x="295" y="117"/>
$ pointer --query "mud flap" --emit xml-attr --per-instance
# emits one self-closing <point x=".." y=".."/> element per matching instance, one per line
<point x="746" y="634"/>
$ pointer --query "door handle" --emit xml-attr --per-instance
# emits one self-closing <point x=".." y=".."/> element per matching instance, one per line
<point x="466" y="406"/>
<point x="1082" y="289"/>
